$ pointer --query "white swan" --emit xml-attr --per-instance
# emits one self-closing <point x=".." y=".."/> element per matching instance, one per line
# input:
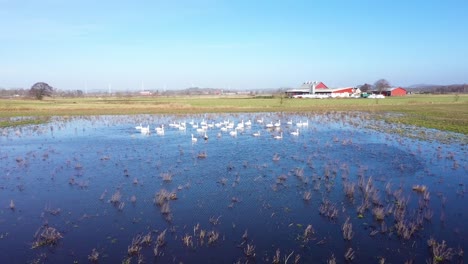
<point x="289" y="122"/>
<point x="138" y="127"/>
<point x="194" y="139"/>
<point x="306" y="123"/>
<point x="280" y="136"/>
<point x="269" y="125"/>
<point x="278" y="124"/>
<point x="295" y="133"/>
<point x="233" y="133"/>
<point x="256" y="134"/>
<point x="260" y="121"/>
<point x="160" y="130"/>
<point x="145" y="130"/>
<point x="248" y="123"/>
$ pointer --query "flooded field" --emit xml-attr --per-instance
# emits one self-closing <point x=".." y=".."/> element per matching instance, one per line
<point x="244" y="188"/>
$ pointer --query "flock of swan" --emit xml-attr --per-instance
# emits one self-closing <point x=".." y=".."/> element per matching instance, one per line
<point x="225" y="126"/>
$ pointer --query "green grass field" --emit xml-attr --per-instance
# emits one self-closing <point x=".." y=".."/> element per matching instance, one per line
<point x="443" y="112"/>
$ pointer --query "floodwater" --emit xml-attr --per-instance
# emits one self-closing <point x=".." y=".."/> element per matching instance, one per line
<point x="98" y="186"/>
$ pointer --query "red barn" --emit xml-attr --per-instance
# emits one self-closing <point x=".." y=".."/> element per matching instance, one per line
<point x="320" y="85"/>
<point x="396" y="91"/>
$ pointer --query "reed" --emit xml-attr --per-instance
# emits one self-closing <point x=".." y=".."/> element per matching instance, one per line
<point x="135" y="247"/>
<point x="94" y="256"/>
<point x="347" y="229"/>
<point x="307" y="196"/>
<point x="249" y="251"/>
<point x="440" y="252"/>
<point x="349" y="255"/>
<point x="187" y="240"/>
<point x="115" y="198"/>
<point x="160" y="242"/>
<point x="308" y="233"/>
<point x="349" y="189"/>
<point x="213" y="237"/>
<point x="46" y="235"/>
<point x="379" y="213"/>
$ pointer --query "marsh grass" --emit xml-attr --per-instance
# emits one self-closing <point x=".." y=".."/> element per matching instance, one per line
<point x="433" y="111"/>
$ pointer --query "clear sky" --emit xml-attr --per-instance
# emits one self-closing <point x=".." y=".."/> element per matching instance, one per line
<point x="237" y="44"/>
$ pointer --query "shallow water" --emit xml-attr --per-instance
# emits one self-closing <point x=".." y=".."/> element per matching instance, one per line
<point x="244" y="183"/>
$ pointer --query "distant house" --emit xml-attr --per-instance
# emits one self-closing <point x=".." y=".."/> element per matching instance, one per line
<point x="320" y="90"/>
<point x="306" y="88"/>
<point x="395" y="91"/>
<point x="145" y="93"/>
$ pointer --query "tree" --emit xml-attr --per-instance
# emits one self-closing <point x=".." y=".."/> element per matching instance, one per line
<point x="41" y="89"/>
<point x="365" y="87"/>
<point x="381" y="84"/>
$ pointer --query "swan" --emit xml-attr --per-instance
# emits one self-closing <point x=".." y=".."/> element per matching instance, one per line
<point x="194" y="139"/>
<point x="241" y="125"/>
<point x="138" y="127"/>
<point x="280" y="136"/>
<point x="160" y="130"/>
<point x="260" y="121"/>
<point x="295" y="133"/>
<point x="289" y="122"/>
<point x="145" y="130"/>
<point x="270" y="125"/>
<point x="278" y="124"/>
<point x="306" y="123"/>
<point x="256" y="134"/>
<point x="248" y="123"/>
<point x="233" y="133"/>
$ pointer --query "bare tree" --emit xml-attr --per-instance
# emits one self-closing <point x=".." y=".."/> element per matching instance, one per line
<point x="365" y="87"/>
<point x="381" y="84"/>
<point x="41" y="89"/>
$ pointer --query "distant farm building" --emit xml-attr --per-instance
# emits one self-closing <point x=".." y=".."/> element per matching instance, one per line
<point x="395" y="91"/>
<point x="319" y="90"/>
<point x="145" y="93"/>
<point x="306" y="88"/>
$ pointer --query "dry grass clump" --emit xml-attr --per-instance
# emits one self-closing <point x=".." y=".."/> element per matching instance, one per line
<point x="379" y="213"/>
<point x="277" y="257"/>
<point x="115" y="198"/>
<point x="440" y="252"/>
<point x="419" y="188"/>
<point x="349" y="255"/>
<point x="187" y="240"/>
<point x="166" y="176"/>
<point x="160" y="242"/>
<point x="249" y="251"/>
<point x="347" y="229"/>
<point x="328" y="209"/>
<point x="94" y="256"/>
<point x="308" y="233"/>
<point x="45" y="236"/>
<point x="202" y="155"/>
<point x="349" y="189"/>
<point x="213" y="236"/>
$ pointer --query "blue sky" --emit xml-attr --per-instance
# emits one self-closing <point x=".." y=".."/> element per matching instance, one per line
<point x="238" y="44"/>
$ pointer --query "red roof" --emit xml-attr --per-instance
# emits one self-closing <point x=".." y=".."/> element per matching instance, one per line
<point x="321" y="85"/>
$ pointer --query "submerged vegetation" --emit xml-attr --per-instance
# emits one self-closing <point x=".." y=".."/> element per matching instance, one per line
<point x="339" y="191"/>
